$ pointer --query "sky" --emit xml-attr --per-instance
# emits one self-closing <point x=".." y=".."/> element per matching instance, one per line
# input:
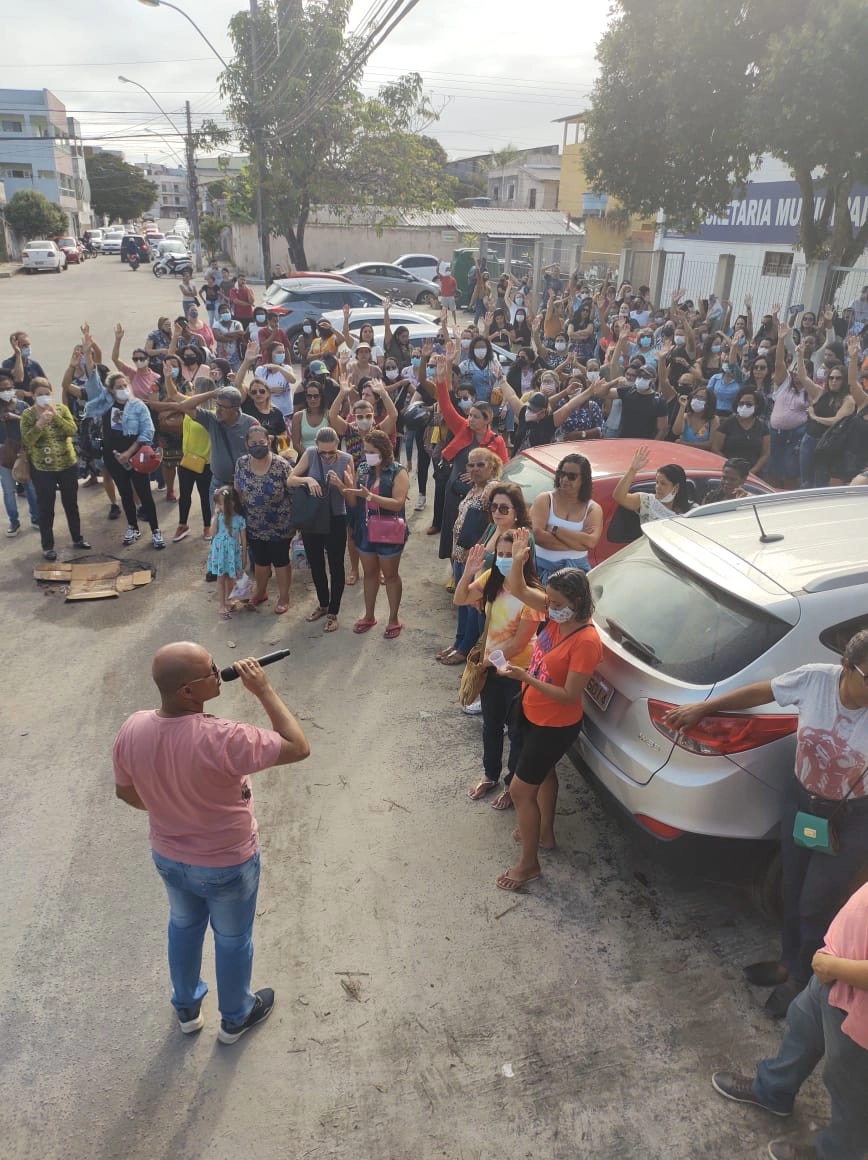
<point x="499" y="79"/>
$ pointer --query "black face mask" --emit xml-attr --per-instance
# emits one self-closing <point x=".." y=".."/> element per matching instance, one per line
<point x="259" y="450"/>
<point x="190" y="362"/>
<point x="323" y="331"/>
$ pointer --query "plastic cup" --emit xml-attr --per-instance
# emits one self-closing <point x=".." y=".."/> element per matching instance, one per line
<point x="497" y="659"/>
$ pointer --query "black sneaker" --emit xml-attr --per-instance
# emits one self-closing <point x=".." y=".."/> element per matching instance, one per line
<point x="81" y="545"/>
<point x="13" y="529"/>
<point x="191" y="1019"/>
<point x="262" y="1008"/>
<point x="739" y="1088"/>
<point x="114" y="512"/>
<point x="50" y="554"/>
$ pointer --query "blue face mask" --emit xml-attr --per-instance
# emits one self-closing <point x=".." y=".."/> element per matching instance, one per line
<point x="415" y="361"/>
<point x="644" y="342"/>
<point x="225" y="317"/>
<point x="279" y="356"/>
<point x="715" y="349"/>
<point x="503" y="564"/>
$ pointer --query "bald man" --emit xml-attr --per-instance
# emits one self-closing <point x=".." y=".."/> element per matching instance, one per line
<point x="191" y="772"/>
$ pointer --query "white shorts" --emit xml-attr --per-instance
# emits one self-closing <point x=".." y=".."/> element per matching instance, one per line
<point x="447" y="303"/>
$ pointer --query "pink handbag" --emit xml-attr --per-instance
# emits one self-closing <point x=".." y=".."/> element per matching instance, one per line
<point x="385" y="529"/>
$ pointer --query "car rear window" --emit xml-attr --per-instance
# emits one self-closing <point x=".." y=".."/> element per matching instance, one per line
<point x="530" y="477"/>
<point x="676" y="621"/>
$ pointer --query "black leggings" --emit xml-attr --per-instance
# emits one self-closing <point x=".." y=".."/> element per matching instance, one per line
<point x="317" y="548"/>
<point x="127" y="482"/>
<point x="423" y="461"/>
<point x="46" y="484"/>
<point x="442" y="471"/>
<point x="187" y="479"/>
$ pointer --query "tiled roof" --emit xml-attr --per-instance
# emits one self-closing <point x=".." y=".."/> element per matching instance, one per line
<point x="518" y="223"/>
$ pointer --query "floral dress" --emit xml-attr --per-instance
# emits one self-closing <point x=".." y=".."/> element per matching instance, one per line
<point x="224" y="559"/>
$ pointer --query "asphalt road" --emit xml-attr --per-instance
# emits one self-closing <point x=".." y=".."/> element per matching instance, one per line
<point x="582" y="1019"/>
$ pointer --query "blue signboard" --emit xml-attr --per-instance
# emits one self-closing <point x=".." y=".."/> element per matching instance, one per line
<point x="770" y="212"/>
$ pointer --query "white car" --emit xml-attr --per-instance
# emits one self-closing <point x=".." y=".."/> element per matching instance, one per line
<point x="111" y="240"/>
<point x="420" y="265"/>
<point x="43" y="255"/>
<point x="701" y="605"/>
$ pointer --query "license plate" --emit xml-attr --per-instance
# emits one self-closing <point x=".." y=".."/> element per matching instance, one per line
<point x="600" y="692"/>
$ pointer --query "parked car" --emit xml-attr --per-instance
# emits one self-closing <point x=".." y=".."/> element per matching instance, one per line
<point x="71" y="248"/>
<point x="533" y="470"/>
<point x="423" y="266"/>
<point x="294" y="299"/>
<point x="43" y="255"/>
<point x="93" y="239"/>
<point x="173" y="246"/>
<point x="700" y="606"/>
<point x="419" y="326"/>
<point x="385" y="279"/>
<point x="111" y="240"/>
<point x="135" y="243"/>
<point x="326" y="275"/>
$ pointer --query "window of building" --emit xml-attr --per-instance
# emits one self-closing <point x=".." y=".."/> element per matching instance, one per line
<point x="46" y="174"/>
<point x="16" y="171"/>
<point x="777" y="265"/>
<point x="12" y="126"/>
<point x="531" y="199"/>
<point x="510" y="191"/>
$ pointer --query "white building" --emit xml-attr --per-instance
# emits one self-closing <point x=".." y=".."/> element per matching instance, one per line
<point x="41" y="149"/>
<point x="172" y="200"/>
<point x="530" y="182"/>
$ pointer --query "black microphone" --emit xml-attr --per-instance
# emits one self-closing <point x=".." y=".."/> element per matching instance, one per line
<point x="229" y="674"/>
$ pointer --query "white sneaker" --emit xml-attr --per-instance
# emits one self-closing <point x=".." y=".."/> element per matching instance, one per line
<point x="420" y="503"/>
<point x="473" y="709"/>
<point x="131" y="536"/>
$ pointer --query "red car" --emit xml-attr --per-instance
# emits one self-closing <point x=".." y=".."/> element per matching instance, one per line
<point x="71" y="248"/>
<point x="534" y="470"/>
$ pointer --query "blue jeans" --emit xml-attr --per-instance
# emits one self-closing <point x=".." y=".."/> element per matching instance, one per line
<point x="10" y="500"/>
<point x="813" y="1031"/>
<point x="470" y="621"/>
<point x="227" y="896"/>
<point x="545" y="568"/>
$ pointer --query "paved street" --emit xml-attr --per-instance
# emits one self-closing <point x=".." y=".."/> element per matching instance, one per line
<point x="582" y="1019"/>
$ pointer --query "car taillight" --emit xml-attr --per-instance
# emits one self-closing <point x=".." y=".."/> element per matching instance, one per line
<point x="658" y="829"/>
<point x="723" y="733"/>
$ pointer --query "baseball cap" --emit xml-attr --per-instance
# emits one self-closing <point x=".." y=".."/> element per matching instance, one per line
<point x="363" y="346"/>
<point x="318" y="367"/>
<point x="538" y="401"/>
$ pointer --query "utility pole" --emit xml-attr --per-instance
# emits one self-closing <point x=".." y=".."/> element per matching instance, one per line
<point x="193" y="191"/>
<point x="258" y="158"/>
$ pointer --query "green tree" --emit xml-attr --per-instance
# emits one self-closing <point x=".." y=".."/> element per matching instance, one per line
<point x="118" y="190"/>
<point x="501" y="159"/>
<point x="326" y="144"/>
<point x="32" y="215"/>
<point x="691" y="93"/>
<point x="211" y="233"/>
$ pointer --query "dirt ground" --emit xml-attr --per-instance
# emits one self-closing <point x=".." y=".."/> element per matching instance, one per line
<point x="420" y="1011"/>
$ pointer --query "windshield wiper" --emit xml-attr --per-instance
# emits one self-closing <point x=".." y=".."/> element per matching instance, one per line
<point x="644" y="651"/>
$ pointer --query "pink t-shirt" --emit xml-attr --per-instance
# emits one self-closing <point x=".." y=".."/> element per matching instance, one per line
<point x="847" y="938"/>
<point x="145" y="384"/>
<point x="192" y="774"/>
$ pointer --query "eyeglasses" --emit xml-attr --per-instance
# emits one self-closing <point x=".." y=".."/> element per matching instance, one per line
<point x="328" y="456"/>
<point x="832" y="378"/>
<point x="313" y="395"/>
<point x="502" y="509"/>
<point x="572" y="476"/>
<point x="477" y="463"/>
<point x="215" y="672"/>
<point x="257" y="392"/>
<point x="140" y="362"/>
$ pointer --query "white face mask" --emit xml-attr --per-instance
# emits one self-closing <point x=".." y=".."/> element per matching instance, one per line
<point x="465" y="344"/>
<point x="697" y="405"/>
<point x="561" y="615"/>
<point x="667" y="498"/>
<point x="531" y="415"/>
<point x="373" y="458"/>
<point x="392" y="374"/>
<point x="465" y="404"/>
<point x="122" y="395"/>
<point x="480" y="351"/>
<point x="365" y="424"/>
<point x="43" y="400"/>
<point x="593" y="376"/>
<point x="7" y="396"/>
<point x="560" y="346"/>
<point x="744" y="412"/>
<point x="680" y="340"/>
<point x="644" y="384"/>
<point x="547" y="388"/>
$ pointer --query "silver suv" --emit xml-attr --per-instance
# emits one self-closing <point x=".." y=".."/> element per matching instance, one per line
<point x="729" y="594"/>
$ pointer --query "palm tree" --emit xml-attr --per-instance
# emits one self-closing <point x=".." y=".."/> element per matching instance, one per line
<point x="502" y="158"/>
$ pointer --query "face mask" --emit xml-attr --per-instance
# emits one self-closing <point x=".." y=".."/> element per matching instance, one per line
<point x="306" y="329"/>
<point x="697" y="405"/>
<point x="593" y="376"/>
<point x="392" y="374"/>
<point x="225" y="317"/>
<point x="744" y="412"/>
<point x="175" y="371"/>
<point x="480" y="351"/>
<point x="193" y="315"/>
<point x="323" y="331"/>
<point x="532" y="415"/>
<point x="259" y="450"/>
<point x="560" y="346"/>
<point x="465" y="404"/>
<point x="680" y="340"/>
<point x="373" y="458"/>
<point x="548" y="388"/>
<point x="519" y="301"/>
<point x="365" y="425"/>
<point x="279" y="357"/>
<point x="415" y="361"/>
<point x="190" y="362"/>
<point x="561" y="615"/>
<point x="644" y="384"/>
<point x="465" y="344"/>
<point x="43" y="400"/>
<point x="644" y="342"/>
<point x="763" y="350"/>
<point x="659" y="321"/>
<point x="122" y="395"/>
<point x="260" y="318"/>
<point x="25" y="352"/>
<point x="7" y="396"/>
<point x="667" y="498"/>
<point x="520" y="317"/>
<point x="503" y="565"/>
<point x="726" y="368"/>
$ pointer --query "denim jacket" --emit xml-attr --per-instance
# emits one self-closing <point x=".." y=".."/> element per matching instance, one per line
<point x="136" y="419"/>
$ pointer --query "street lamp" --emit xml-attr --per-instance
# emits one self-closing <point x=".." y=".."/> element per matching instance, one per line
<point x="165" y="4"/>
<point x="191" y="165"/>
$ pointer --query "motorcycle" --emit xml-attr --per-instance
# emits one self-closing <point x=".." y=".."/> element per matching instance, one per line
<point x="173" y="264"/>
<point x="133" y="261"/>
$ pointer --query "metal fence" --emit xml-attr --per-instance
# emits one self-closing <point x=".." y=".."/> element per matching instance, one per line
<point x="844" y="285"/>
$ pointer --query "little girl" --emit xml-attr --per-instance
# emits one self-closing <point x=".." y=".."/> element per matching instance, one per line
<point x="227" y="558"/>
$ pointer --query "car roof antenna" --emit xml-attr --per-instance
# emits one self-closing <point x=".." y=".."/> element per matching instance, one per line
<point x="766" y="537"/>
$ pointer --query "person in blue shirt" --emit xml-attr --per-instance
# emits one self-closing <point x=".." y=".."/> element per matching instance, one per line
<point x="24" y="369"/>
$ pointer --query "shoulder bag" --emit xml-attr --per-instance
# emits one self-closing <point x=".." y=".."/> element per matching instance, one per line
<point x="833" y="447"/>
<point x="384" y="527"/>
<point x="21" y="467"/>
<point x="312" y="513"/>
<point x="819" y="834"/>
<point x="475" y="672"/>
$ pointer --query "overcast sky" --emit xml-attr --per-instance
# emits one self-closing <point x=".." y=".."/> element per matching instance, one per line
<point x="503" y="70"/>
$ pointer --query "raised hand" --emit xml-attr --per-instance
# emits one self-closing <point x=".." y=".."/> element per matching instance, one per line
<point x="748" y="301"/>
<point x="520" y="546"/>
<point x="475" y="559"/>
<point x="829" y="316"/>
<point x="119" y="332"/>
<point x="427" y="348"/>
<point x="640" y="459"/>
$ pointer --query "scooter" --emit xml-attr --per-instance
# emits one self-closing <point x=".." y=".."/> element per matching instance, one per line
<point x="172" y="264"/>
<point x="133" y="261"/>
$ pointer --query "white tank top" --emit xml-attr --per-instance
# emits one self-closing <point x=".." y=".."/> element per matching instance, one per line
<point x="553" y="554"/>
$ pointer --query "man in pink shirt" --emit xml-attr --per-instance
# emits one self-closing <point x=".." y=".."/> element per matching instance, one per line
<point x="191" y="772"/>
<point x="829" y="1018"/>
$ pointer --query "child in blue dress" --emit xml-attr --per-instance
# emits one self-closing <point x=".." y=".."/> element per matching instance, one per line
<point x="228" y="556"/>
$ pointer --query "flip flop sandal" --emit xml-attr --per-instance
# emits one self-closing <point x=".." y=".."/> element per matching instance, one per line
<point x="513" y="884"/>
<point x="393" y="631"/>
<point x="331" y="624"/>
<point x="280" y="609"/>
<point x="317" y="614"/>
<point x="444" y="652"/>
<point x="454" y="658"/>
<point x="363" y="625"/>
<point x="481" y="790"/>
<point x="254" y="600"/>
<point x="503" y="801"/>
<point x="225" y="614"/>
